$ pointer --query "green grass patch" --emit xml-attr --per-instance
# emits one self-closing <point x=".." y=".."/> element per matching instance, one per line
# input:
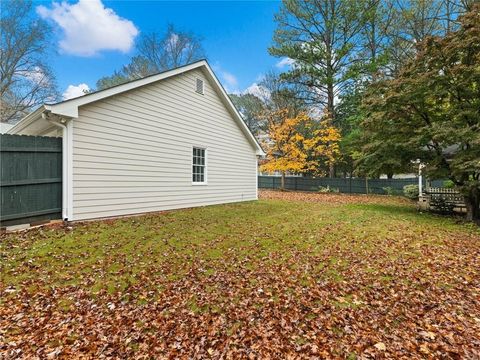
<point x="113" y="255"/>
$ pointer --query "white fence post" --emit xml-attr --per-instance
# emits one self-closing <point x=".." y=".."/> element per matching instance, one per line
<point x="420" y="179"/>
<point x="420" y="183"/>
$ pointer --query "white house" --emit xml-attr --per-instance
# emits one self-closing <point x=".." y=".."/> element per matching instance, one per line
<point x="167" y="141"/>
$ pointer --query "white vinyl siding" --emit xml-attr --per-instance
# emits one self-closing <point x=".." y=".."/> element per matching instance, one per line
<point x="132" y="153"/>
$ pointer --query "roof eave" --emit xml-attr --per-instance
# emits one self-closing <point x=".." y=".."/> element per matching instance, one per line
<point x="69" y="108"/>
<point x="259" y="151"/>
<point x="27" y="120"/>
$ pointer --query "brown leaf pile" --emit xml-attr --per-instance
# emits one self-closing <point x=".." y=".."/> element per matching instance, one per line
<point x="331" y="198"/>
<point x="399" y="297"/>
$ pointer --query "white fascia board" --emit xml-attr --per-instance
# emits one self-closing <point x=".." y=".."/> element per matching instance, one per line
<point x="69" y="108"/>
<point x="236" y="114"/>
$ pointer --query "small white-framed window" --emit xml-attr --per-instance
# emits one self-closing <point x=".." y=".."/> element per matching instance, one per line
<point x="199" y="165"/>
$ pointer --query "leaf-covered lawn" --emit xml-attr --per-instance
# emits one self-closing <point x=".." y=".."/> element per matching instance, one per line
<point x="293" y="275"/>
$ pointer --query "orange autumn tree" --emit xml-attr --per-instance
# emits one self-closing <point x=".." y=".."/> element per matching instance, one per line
<point x="323" y="145"/>
<point x="297" y="144"/>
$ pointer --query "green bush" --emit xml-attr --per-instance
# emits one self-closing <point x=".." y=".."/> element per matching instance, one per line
<point x="327" y="189"/>
<point x="391" y="191"/>
<point x="411" y="191"/>
<point x="449" y="184"/>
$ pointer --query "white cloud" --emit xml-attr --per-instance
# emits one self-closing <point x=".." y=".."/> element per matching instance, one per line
<point x="284" y="63"/>
<point x="90" y="27"/>
<point x="74" y="91"/>
<point x="229" y="79"/>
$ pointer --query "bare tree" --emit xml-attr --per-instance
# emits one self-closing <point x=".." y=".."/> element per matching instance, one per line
<point x="416" y="20"/>
<point x="374" y="39"/>
<point x="252" y="110"/>
<point x="280" y="94"/>
<point x="26" y="79"/>
<point x="157" y="52"/>
<point x="451" y="12"/>
<point x="173" y="49"/>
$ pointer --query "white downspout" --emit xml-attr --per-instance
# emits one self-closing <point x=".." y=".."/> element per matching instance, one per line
<point x="65" y="177"/>
<point x="256" y="177"/>
<point x="420" y="182"/>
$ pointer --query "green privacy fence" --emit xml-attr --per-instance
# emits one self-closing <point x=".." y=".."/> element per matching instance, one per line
<point x="344" y="185"/>
<point x="30" y="179"/>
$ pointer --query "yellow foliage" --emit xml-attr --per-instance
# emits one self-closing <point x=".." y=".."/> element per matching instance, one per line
<point x="298" y="144"/>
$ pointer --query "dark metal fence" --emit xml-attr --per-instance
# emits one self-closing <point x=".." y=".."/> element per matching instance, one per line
<point x="343" y="185"/>
<point x="31" y="179"/>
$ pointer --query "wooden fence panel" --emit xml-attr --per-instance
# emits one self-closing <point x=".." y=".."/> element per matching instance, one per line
<point x="30" y="179"/>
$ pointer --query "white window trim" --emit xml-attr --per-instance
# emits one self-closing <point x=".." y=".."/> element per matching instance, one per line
<point x="205" y="182"/>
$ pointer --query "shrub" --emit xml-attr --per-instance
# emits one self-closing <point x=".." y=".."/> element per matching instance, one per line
<point x="327" y="189"/>
<point x="391" y="191"/>
<point x="449" y="184"/>
<point x="411" y="191"/>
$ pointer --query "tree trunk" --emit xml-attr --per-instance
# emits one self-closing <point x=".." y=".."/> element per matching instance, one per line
<point x="282" y="183"/>
<point x="330" y="90"/>
<point x="331" y="171"/>
<point x="472" y="202"/>
<point x="390" y="176"/>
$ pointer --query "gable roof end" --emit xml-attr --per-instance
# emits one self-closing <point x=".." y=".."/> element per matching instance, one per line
<point x="69" y="108"/>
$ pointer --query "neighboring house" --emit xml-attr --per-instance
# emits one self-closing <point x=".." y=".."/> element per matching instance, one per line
<point x="399" y="176"/>
<point x="167" y="141"/>
<point x="278" y="174"/>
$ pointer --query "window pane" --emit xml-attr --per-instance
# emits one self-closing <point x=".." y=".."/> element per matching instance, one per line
<point x="198" y="165"/>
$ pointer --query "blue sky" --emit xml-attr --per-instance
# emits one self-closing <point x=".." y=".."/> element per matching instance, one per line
<point x="94" y="37"/>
